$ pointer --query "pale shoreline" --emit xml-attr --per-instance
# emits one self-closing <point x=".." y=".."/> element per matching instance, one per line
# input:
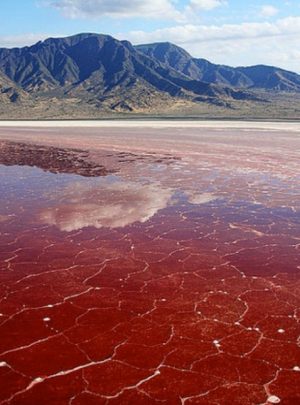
<point x="262" y="125"/>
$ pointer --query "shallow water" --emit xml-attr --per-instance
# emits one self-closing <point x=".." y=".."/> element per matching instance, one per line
<point x="167" y="281"/>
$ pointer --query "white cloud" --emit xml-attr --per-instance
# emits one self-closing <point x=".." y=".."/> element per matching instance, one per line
<point x="205" y="4"/>
<point x="155" y="9"/>
<point x="117" y="8"/>
<point x="12" y="41"/>
<point x="268" y="11"/>
<point x="276" y="43"/>
<point x="190" y="33"/>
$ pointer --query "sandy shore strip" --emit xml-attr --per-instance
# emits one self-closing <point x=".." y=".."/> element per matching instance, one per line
<point x="242" y="125"/>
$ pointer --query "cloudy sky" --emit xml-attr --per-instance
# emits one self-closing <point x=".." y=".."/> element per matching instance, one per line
<point x="232" y="32"/>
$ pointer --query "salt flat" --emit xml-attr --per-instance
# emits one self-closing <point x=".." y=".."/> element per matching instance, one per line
<point x="148" y="254"/>
<point x="264" y="125"/>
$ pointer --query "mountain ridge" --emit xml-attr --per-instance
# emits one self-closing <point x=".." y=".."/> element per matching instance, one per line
<point x="98" y="71"/>
<point x="41" y="72"/>
<point x="244" y="77"/>
<point x="9" y="92"/>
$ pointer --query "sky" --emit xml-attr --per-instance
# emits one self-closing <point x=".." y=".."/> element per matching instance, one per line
<point x="232" y="32"/>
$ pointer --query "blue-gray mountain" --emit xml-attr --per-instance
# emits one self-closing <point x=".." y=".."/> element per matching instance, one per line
<point x="9" y="91"/>
<point x="252" y="77"/>
<point x="99" y="70"/>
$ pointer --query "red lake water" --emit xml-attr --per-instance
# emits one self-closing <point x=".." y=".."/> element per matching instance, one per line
<point x="160" y="269"/>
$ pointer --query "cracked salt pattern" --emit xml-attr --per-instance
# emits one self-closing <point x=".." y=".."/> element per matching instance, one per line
<point x="154" y="285"/>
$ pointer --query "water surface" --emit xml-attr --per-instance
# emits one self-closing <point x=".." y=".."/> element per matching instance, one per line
<point x="166" y="277"/>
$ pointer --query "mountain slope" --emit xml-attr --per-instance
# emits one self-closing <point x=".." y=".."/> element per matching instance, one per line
<point x="61" y="62"/>
<point x="272" y="78"/>
<point x="9" y="92"/>
<point x="91" y="74"/>
<point x="253" y="77"/>
<point x="93" y="68"/>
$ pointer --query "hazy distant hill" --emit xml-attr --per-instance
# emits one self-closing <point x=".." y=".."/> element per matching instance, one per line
<point x="253" y="77"/>
<point x="93" y="72"/>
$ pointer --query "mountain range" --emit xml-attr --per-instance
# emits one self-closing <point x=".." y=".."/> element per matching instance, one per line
<point x="101" y="73"/>
<point x="252" y="77"/>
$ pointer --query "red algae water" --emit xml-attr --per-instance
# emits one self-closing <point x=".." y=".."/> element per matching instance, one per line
<point x="149" y="266"/>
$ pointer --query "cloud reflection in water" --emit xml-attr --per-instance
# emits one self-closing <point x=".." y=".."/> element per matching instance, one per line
<point x="105" y="204"/>
<point x="203" y="198"/>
